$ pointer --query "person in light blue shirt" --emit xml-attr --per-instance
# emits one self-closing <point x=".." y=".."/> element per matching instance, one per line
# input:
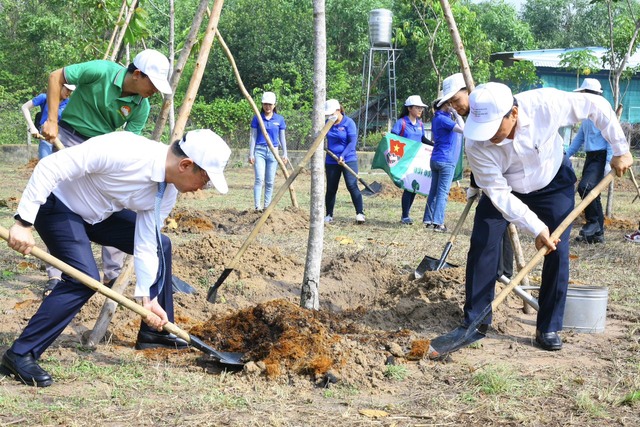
<point x="598" y="155"/>
<point x="260" y="156"/>
<point x="411" y="127"/>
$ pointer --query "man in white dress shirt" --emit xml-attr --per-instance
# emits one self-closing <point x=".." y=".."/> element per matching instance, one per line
<point x="115" y="189"/>
<point x="516" y="156"/>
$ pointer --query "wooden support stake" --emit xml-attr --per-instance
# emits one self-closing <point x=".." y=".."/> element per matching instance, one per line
<point x="520" y="262"/>
<point x="109" y="306"/>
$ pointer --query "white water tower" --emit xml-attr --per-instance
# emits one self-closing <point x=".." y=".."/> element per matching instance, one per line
<point x="378" y="109"/>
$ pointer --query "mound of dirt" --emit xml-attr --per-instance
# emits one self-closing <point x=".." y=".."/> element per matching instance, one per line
<point x="232" y="221"/>
<point x="281" y="339"/>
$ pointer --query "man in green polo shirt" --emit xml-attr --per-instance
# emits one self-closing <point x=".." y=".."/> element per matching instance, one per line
<point x="108" y="96"/>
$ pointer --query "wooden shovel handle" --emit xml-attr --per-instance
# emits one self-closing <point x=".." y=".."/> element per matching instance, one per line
<point x="92" y="283"/>
<point x="555" y="235"/>
<point x="56" y="142"/>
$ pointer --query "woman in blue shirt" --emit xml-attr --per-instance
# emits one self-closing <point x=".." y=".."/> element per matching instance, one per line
<point x="410" y="126"/>
<point x="446" y="137"/>
<point x="45" y="147"/>
<point x="341" y="141"/>
<point x="260" y="156"/>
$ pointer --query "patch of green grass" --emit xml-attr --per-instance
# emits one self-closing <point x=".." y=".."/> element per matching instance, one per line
<point x="7" y="275"/>
<point x="396" y="372"/>
<point x="497" y="380"/>
<point x="219" y="398"/>
<point x="631" y="398"/>
<point x="589" y="406"/>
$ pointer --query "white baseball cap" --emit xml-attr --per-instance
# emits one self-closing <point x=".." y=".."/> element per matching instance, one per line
<point x="488" y="104"/>
<point x="590" y="84"/>
<point x="269" y="98"/>
<point x="210" y="152"/>
<point x="331" y="106"/>
<point x="156" y="66"/>
<point x="70" y="87"/>
<point x="414" y="101"/>
<point x="450" y="86"/>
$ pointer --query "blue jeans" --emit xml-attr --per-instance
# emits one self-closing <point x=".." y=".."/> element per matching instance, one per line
<point x="441" y="177"/>
<point x="265" y="168"/>
<point x="44" y="149"/>
<point x="333" y="173"/>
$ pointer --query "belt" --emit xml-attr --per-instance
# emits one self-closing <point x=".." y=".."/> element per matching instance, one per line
<point x="71" y="130"/>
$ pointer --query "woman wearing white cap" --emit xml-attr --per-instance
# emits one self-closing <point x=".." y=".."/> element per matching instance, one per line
<point x="342" y="139"/>
<point x="44" y="149"/>
<point x="410" y="126"/>
<point x="446" y="128"/>
<point x="260" y="156"/>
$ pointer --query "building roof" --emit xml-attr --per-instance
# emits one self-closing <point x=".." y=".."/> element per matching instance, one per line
<point x="551" y="57"/>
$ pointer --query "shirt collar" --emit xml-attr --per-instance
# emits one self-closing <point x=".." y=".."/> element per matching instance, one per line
<point x="158" y="170"/>
<point x="119" y="82"/>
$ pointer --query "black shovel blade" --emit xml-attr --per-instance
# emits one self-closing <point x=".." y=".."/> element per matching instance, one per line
<point x="213" y="290"/>
<point x="180" y="285"/>
<point x="429" y="264"/>
<point x="372" y="189"/>
<point x="223" y="357"/>
<point x="460" y="337"/>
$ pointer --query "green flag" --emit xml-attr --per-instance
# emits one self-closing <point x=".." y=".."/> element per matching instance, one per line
<point x="407" y="162"/>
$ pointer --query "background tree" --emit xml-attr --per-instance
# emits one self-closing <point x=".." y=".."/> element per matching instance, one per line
<point x="504" y="30"/>
<point x="310" y="291"/>
<point x="582" y="61"/>
<point x="520" y="76"/>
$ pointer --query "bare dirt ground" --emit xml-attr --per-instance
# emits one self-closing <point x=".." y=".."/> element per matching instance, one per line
<point x="358" y="361"/>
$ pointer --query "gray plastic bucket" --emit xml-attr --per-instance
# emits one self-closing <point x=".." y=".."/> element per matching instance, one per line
<point x="380" y="27"/>
<point x="586" y="309"/>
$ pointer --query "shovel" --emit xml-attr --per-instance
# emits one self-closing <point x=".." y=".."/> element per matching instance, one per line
<point x="445" y="344"/>
<point x="224" y="358"/>
<point x="370" y="190"/>
<point x="213" y="290"/>
<point x="431" y="264"/>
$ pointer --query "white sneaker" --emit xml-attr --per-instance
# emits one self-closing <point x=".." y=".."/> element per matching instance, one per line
<point x="360" y="218"/>
<point x="328" y="219"/>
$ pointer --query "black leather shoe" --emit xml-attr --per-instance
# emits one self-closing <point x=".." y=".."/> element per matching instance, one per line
<point x="25" y="369"/>
<point x="549" y="341"/>
<point x="590" y="228"/>
<point x="149" y="339"/>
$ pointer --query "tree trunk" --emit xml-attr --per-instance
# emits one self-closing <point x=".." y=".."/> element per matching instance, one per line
<point x="457" y="44"/>
<point x="198" y="72"/>
<point x="118" y="42"/>
<point x="309" y="295"/>
<point x="177" y="72"/>
<point x="172" y="58"/>
<point x="115" y="29"/>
